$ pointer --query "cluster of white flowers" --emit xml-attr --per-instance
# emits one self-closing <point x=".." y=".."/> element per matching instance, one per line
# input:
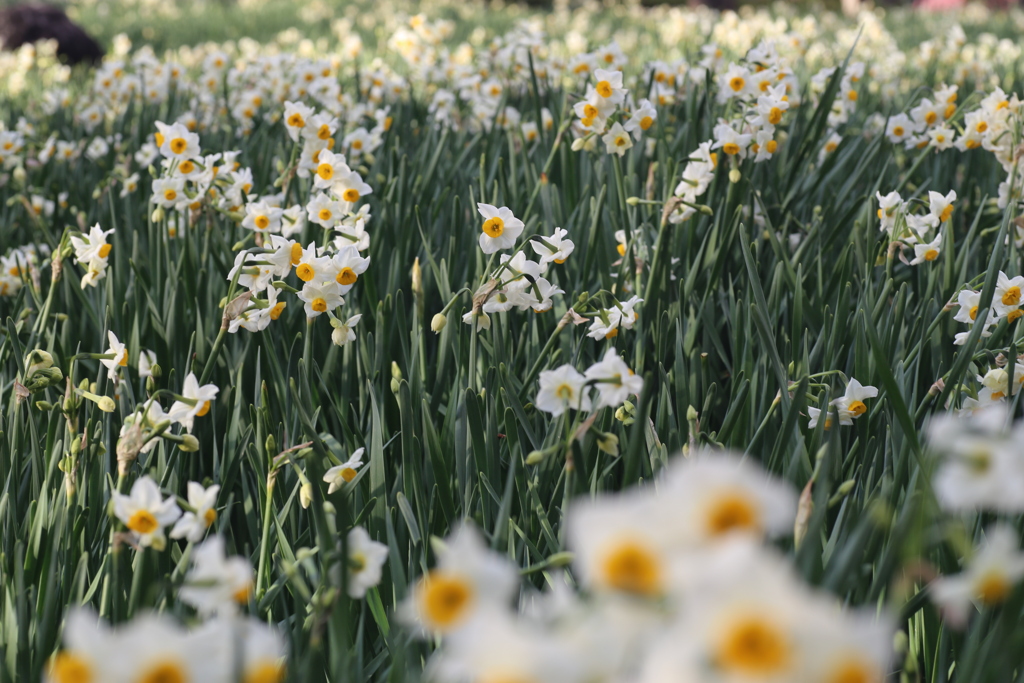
<point x="17" y="264"/>
<point x="565" y="387"/>
<point x="849" y="406"/>
<point x="695" y="597"/>
<point x="1006" y="304"/>
<point x="920" y="232"/>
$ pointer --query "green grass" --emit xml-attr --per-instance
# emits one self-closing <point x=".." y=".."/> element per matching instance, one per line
<point x="736" y="340"/>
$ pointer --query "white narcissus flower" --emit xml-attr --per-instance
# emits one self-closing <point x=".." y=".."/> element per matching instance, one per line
<point x="1007" y="296"/>
<point x="941" y="206"/>
<point x="92" y="246"/>
<point x="615" y="382"/>
<point x="350" y="187"/>
<point x="216" y="583"/>
<point x="345" y="472"/>
<point x="851" y="404"/>
<point x="177" y="141"/>
<point x="147" y="359"/>
<point x="323" y="211"/>
<point x="987" y="579"/>
<point x="366" y="557"/>
<point x="642" y="119"/>
<point x="346" y="266"/>
<point x="196" y="402"/>
<point x="927" y="252"/>
<point x="561" y="389"/>
<point x="329" y="165"/>
<point x="469" y="579"/>
<point x="617" y="140"/>
<point x="262" y="217"/>
<point x="145" y="512"/>
<point x="320" y="297"/>
<point x="554" y="248"/>
<point x="119" y="351"/>
<point x="296" y="114"/>
<point x="344" y="332"/>
<point x="193" y="525"/>
<point x="500" y="228"/>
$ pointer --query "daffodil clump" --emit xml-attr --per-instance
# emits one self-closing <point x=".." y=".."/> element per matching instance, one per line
<point x="736" y="396"/>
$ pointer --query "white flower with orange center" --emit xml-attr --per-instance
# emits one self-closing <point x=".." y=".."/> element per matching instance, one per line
<point x="851" y="404"/>
<point x="988" y="577"/>
<point x="561" y="389"/>
<point x="346" y="267"/>
<point x="328" y="165"/>
<point x="366" y="559"/>
<point x="262" y="216"/>
<point x="927" y="252"/>
<point x="553" y="248"/>
<point x="1008" y="295"/>
<point x="296" y="115"/>
<point x="146" y="513"/>
<point x="118" y="353"/>
<point x="614" y="380"/>
<point x="349" y="187"/>
<point x="617" y="140"/>
<point x="170" y="193"/>
<point x="500" y="228"/>
<point x="194" y="523"/>
<point x="608" y="85"/>
<point x="177" y="141"/>
<point x="217" y="583"/>
<point x="345" y="472"/>
<point x="344" y="331"/>
<point x="92" y="246"/>
<point x="320" y="297"/>
<point x="468" y="579"/>
<point x="195" y="401"/>
<point x="323" y="211"/>
<point x="642" y="119"/>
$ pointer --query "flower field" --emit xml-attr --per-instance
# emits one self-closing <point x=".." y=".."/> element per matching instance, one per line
<point x="604" y="344"/>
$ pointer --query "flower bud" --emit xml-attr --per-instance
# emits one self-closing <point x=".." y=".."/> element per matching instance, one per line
<point x="578" y="143"/>
<point x="19" y="175"/>
<point x="607" y="442"/>
<point x="535" y="457"/>
<point x="157" y="215"/>
<point x="106" y="404"/>
<point x="735" y="175"/>
<point x="306" y="495"/>
<point x="632" y="201"/>
<point x="437" y="323"/>
<point x="189" y="443"/>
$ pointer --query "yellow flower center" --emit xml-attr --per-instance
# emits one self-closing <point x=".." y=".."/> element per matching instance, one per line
<point x="276" y="311"/>
<point x="1002" y="105"/>
<point x="15" y="271"/>
<point x="305" y="272"/>
<point x="771" y="146"/>
<point x="164" y="672"/>
<point x="931" y="254"/>
<point x="646" y="122"/>
<point x="209" y="517"/>
<point x="325" y="171"/>
<point x="621" y="141"/>
<point x="170" y="195"/>
<point x="621" y="248"/>
<point x="590" y="111"/>
<point x="972" y="143"/>
<point x="950" y="110"/>
<point x="981" y="126"/>
<point x="324" y="133"/>
<point x="203" y="409"/>
<point x="633" y="568"/>
<point x="444" y="599"/>
<point x="731" y="511"/>
<point x="265" y="672"/>
<point x="143" y="522"/>
<point x="581" y="68"/>
<point x="946" y="213"/>
<point x="350" y="195"/>
<point x="67" y="668"/>
<point x="604" y="89"/>
<point x="186" y="167"/>
<point x="178" y="145"/>
<point x="324" y="214"/>
<point x="357" y="144"/>
<point x="296" y="120"/>
<point x="493" y="227"/>
<point x="159" y="137"/>
<point x="296" y="253"/>
<point x="973" y="312"/>
<point x="753" y="646"/>
<point x="993" y="588"/>
<point x="241" y="596"/>
<point x="123" y="360"/>
<point x="1013" y="315"/>
<point x="774" y="115"/>
<point x="103" y="252"/>
<point x="731" y="148"/>
<point x="853" y="671"/>
<point x="348" y="474"/>
<point x="261" y="222"/>
<point x="852" y="95"/>
<point x="897" y="131"/>
<point x="347" y="276"/>
<point x="318" y="304"/>
<point x="564" y="392"/>
<point x="737" y="83"/>
<point x="612" y="333"/>
<point x="857" y="408"/>
<point x="1011" y="297"/>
